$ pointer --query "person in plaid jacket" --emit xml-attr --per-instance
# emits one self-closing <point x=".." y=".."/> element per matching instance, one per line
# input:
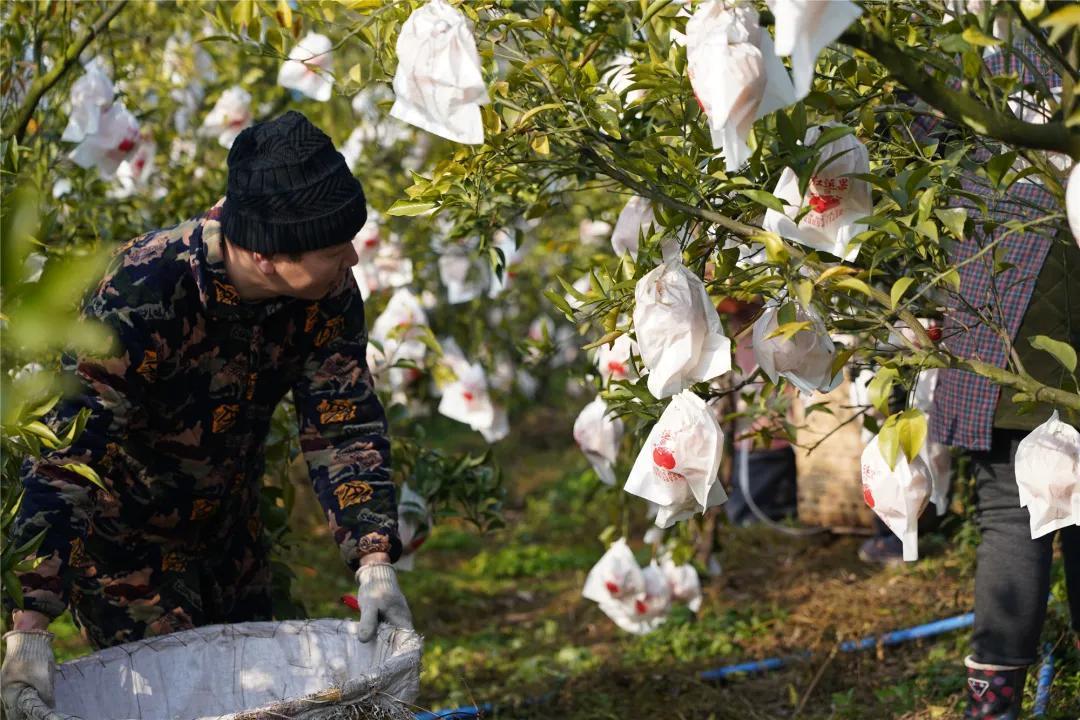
<point x="216" y="320"/>
<point x="1028" y="285"/>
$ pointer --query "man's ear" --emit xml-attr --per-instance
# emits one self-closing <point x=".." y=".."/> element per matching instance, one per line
<point x="264" y="263"/>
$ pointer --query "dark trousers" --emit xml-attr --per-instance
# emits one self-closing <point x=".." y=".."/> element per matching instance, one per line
<point x="1012" y="574"/>
<point x="772" y="483"/>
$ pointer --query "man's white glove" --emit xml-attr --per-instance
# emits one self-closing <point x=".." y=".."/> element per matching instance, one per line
<point x="28" y="661"/>
<point x="380" y="599"/>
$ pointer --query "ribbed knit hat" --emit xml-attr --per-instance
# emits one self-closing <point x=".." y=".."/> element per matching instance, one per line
<point x="289" y="189"/>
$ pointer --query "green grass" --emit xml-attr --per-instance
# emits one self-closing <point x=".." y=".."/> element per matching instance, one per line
<point x="504" y="620"/>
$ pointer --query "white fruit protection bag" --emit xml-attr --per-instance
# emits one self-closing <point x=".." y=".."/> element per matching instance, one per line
<point x="678" y="329"/>
<point x="897" y="496"/>
<point x="684" y="582"/>
<point x="805" y="358"/>
<point x="1047" y="467"/>
<point x="599" y="436"/>
<point x="615" y="576"/>
<point x="735" y="73"/>
<point x="414" y="525"/>
<point x="91" y="96"/>
<point x="677" y="468"/>
<point x="229" y="116"/>
<point x="636" y="216"/>
<point x="1072" y="202"/>
<point x="836" y="200"/>
<point x="467" y="399"/>
<point x="613" y="361"/>
<point x="804" y="28"/>
<point x="399" y="330"/>
<point x="634" y="598"/>
<point x="462" y="275"/>
<point x="937" y="457"/>
<point x="309" y="68"/>
<point x="438" y="85"/>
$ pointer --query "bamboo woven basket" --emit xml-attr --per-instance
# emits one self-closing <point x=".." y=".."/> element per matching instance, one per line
<point x="830" y="477"/>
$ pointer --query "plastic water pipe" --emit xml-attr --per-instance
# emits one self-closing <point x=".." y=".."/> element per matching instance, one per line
<point x="931" y="629"/>
<point x="1046" y="676"/>
<point x="461" y="713"/>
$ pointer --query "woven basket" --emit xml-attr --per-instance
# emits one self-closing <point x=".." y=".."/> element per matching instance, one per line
<point x="300" y="670"/>
<point x="830" y="477"/>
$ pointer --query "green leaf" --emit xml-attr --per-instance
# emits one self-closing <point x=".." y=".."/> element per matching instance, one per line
<point x="764" y="198"/>
<point x="855" y="284"/>
<point x="880" y="388"/>
<point x="997" y="166"/>
<point x="571" y="290"/>
<point x="804" y="291"/>
<point x="541" y="145"/>
<point x="898" y="289"/>
<point x="1062" y="352"/>
<point x="14" y="588"/>
<point x="889" y="442"/>
<point x="87" y="472"/>
<point x="607" y="339"/>
<point x="953" y="219"/>
<point x="834" y="271"/>
<point x="560" y="302"/>
<point x="952" y="278"/>
<point x="538" y="109"/>
<point x="911" y="430"/>
<point x="1061" y="21"/>
<point x="787" y="330"/>
<point x="775" y="250"/>
<point x="43" y="431"/>
<point x="976" y="37"/>
<point x="655" y="7"/>
<point x="405" y="208"/>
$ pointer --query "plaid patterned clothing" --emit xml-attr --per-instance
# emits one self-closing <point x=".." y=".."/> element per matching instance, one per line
<point x="965" y="403"/>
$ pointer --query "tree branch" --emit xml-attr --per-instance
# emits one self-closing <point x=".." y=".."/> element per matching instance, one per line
<point x="17" y="127"/>
<point x="1000" y="376"/>
<point x="961" y="106"/>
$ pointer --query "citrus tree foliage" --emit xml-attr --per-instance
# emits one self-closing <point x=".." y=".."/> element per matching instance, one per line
<point x="590" y="104"/>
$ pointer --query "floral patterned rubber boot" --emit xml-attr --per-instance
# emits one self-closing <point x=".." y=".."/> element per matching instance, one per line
<point x="995" y="692"/>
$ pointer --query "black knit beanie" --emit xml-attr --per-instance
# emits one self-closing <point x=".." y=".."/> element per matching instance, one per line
<point x="289" y="189"/>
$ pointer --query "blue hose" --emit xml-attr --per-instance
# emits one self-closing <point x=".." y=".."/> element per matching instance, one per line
<point x="892" y="638"/>
<point x="461" y="713"/>
<point x="766" y="665"/>
<point x="914" y="633"/>
<point x="1046" y="676"/>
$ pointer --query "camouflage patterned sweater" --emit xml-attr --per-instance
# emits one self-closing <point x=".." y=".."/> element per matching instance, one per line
<point x="181" y="410"/>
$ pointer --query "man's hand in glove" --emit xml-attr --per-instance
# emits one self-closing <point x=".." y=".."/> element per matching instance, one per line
<point x="380" y="597"/>
<point x="28" y="661"/>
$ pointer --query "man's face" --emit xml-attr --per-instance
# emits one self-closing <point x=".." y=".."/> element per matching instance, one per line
<point x="313" y="274"/>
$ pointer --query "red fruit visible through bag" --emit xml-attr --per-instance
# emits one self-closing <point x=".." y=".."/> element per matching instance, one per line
<point x="612" y="587"/>
<point x="662" y="456"/>
<point x="640" y="607"/>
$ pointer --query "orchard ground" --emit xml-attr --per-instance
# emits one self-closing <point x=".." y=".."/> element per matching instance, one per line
<point x="505" y="622"/>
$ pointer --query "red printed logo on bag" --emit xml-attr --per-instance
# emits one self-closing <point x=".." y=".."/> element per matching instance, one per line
<point x="825" y="196"/>
<point x="821" y="203"/>
<point x="616" y="369"/>
<point x="664" y="461"/>
<point x="612" y="587"/>
<point x="640" y="607"/>
<point x="868" y="496"/>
